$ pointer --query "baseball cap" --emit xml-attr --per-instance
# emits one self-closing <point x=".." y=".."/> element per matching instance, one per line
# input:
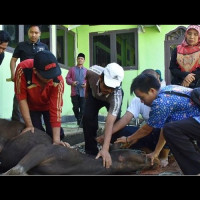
<point x="113" y="75"/>
<point x="46" y="64"/>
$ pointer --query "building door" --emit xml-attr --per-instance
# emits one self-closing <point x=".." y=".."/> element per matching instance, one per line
<point x="172" y="39"/>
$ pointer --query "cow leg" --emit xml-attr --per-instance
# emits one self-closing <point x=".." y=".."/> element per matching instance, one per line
<point x="33" y="158"/>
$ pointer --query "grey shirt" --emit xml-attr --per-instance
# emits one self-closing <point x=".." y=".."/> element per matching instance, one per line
<point x="114" y="99"/>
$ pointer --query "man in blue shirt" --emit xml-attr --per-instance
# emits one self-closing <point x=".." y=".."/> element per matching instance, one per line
<point x="4" y="40"/>
<point x="165" y="108"/>
<point x="25" y="50"/>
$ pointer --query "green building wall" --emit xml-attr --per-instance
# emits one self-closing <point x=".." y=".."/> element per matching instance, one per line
<point x="150" y="55"/>
<point x="150" y="51"/>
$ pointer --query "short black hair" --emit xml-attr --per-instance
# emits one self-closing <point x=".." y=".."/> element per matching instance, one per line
<point x="144" y="82"/>
<point x="150" y="71"/>
<point x="4" y="37"/>
<point x="39" y="26"/>
<point x="81" y="55"/>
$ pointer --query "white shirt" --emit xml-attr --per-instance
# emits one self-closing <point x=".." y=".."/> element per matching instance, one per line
<point x="163" y="83"/>
<point x="136" y="107"/>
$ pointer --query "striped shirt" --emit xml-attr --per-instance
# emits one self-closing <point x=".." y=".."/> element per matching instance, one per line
<point x="114" y="99"/>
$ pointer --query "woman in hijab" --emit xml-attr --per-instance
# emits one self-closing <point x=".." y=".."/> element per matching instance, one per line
<point x="185" y="59"/>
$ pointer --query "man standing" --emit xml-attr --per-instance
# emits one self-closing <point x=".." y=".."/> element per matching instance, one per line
<point x="39" y="88"/>
<point x="103" y="90"/>
<point x="76" y="78"/>
<point x="25" y="50"/>
<point x="4" y="40"/>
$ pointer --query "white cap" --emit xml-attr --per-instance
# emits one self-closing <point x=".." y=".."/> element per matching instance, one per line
<point x="113" y="75"/>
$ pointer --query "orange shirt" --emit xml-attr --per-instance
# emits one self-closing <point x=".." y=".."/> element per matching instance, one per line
<point x="49" y="98"/>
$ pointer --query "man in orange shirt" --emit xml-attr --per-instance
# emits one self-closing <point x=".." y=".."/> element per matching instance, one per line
<point x="39" y="89"/>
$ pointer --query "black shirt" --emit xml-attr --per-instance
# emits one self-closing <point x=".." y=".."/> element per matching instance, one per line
<point x="27" y="50"/>
<point x="1" y="57"/>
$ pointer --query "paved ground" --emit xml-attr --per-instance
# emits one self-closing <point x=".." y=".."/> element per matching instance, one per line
<point x="74" y="134"/>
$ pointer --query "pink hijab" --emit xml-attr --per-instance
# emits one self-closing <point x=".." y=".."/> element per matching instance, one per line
<point x="197" y="28"/>
<point x="188" y="57"/>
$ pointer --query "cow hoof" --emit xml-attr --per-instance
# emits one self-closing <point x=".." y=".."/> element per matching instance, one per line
<point x="17" y="170"/>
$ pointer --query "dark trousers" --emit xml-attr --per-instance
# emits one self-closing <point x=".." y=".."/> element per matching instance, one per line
<point x="16" y="114"/>
<point x="90" y="122"/>
<point x="78" y="107"/>
<point x="36" y="117"/>
<point x="180" y="137"/>
<point x="150" y="141"/>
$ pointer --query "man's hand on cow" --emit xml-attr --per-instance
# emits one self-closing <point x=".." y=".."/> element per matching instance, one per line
<point x="126" y="142"/>
<point x="29" y="128"/>
<point x="153" y="155"/>
<point x="65" y="144"/>
<point x="107" y="161"/>
<point x="100" y="139"/>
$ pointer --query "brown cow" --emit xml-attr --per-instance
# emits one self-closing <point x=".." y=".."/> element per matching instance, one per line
<point x="33" y="153"/>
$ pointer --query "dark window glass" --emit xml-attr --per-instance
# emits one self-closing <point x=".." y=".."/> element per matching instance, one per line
<point x="60" y="45"/>
<point x="115" y="46"/>
<point x="125" y="49"/>
<point x="70" y="49"/>
<point x="101" y="49"/>
<point x="13" y="30"/>
<point x="65" y="47"/>
<point x="45" y="35"/>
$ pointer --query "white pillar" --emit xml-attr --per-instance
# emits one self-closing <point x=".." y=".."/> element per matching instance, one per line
<point x="53" y="47"/>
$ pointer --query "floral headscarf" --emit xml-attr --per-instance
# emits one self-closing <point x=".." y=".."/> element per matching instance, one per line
<point x="197" y="28"/>
<point x="188" y="57"/>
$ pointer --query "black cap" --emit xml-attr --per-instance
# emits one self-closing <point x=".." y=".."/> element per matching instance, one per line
<point x="46" y="64"/>
<point x="81" y="55"/>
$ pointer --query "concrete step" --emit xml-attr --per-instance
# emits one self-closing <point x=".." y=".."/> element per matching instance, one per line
<point x="74" y="138"/>
<point x="74" y="135"/>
